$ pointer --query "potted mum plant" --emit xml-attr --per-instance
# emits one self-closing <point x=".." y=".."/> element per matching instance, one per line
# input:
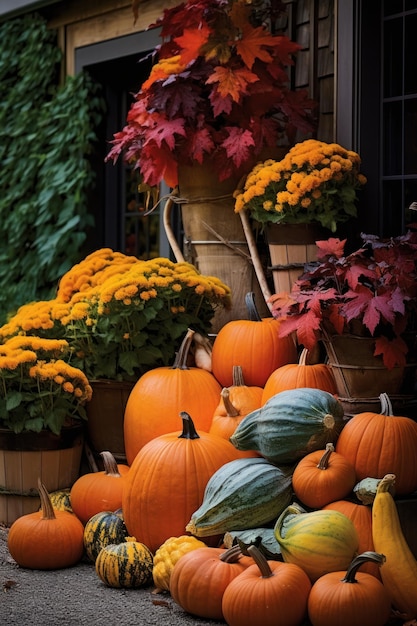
<point x="42" y="411"/>
<point x="120" y="317"/>
<point x="361" y="304"/>
<point x="217" y="98"/>
<point x="310" y="192"/>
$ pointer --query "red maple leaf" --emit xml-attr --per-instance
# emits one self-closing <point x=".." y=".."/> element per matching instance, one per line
<point x="165" y="133"/>
<point x="331" y="247"/>
<point x="156" y="163"/>
<point x="237" y="144"/>
<point x="393" y="351"/>
<point x="191" y="41"/>
<point x="200" y="144"/>
<point x="306" y="327"/>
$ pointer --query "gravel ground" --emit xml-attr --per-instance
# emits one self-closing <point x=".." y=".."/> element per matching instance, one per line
<point x="76" y="596"/>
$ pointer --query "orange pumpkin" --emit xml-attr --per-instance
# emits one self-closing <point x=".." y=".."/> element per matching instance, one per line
<point x="271" y="593"/>
<point x="235" y="403"/>
<point x="322" y="477"/>
<point x="361" y="517"/>
<point x="255" y="345"/>
<point x="167" y="480"/>
<point x="199" y="579"/>
<point x="298" y="375"/>
<point x="99" y="491"/>
<point x="380" y="443"/>
<point x="160" y="394"/>
<point x="350" y="598"/>
<point x="47" y="539"/>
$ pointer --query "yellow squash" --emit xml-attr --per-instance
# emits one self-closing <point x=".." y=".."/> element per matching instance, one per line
<point x="399" y="572"/>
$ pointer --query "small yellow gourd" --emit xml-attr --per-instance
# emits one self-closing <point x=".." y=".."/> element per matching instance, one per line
<point x="399" y="572"/>
<point x="167" y="556"/>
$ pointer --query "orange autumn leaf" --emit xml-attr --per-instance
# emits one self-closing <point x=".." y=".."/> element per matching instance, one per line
<point x="232" y="82"/>
<point x="191" y="42"/>
<point x="250" y="47"/>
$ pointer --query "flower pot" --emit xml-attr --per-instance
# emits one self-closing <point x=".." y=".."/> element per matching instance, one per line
<point x="214" y="239"/>
<point x="105" y="417"/>
<point x="291" y="246"/>
<point x="27" y="456"/>
<point x="358" y="373"/>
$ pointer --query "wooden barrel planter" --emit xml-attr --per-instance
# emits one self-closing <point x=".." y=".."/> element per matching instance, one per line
<point x="291" y="246"/>
<point x="105" y="417"/>
<point x="27" y="456"/>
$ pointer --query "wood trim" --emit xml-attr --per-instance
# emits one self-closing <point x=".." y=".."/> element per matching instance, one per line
<point x="102" y="22"/>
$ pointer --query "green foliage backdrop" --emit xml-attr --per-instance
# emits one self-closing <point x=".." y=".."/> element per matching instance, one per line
<point x="46" y="136"/>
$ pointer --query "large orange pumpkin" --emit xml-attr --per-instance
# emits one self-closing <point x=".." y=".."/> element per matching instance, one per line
<point x="255" y="345"/>
<point x="167" y="480"/>
<point x="161" y="394"/>
<point x="380" y="443"/>
<point x="298" y="375"/>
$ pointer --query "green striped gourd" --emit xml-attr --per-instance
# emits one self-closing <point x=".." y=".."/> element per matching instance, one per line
<point x="319" y="542"/>
<point x="128" y="564"/>
<point x="101" y="530"/>
<point x="291" y="424"/>
<point x="61" y="500"/>
<point x="244" y="493"/>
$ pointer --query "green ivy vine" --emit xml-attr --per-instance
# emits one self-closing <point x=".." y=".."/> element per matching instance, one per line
<point x="47" y="132"/>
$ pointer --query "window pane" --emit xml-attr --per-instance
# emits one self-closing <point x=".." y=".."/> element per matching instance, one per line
<point x="393" y="58"/>
<point x="391" y="7"/>
<point x="410" y="55"/>
<point x="392" y="139"/>
<point x="410" y="193"/>
<point x="393" y="214"/>
<point x="410" y="137"/>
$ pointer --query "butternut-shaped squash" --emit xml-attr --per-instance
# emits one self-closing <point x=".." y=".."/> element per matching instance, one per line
<point x="399" y="572"/>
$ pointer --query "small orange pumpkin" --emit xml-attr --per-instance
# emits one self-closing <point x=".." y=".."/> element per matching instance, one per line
<point x="255" y="345"/>
<point x="271" y="593"/>
<point x="199" y="579"/>
<point x="235" y="403"/>
<point x="99" y="491"/>
<point x="298" y="375"/>
<point x="322" y="477"/>
<point x="47" y="539"/>
<point x="350" y="598"/>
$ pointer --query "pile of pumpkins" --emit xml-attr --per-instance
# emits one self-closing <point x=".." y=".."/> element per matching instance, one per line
<point x="266" y="506"/>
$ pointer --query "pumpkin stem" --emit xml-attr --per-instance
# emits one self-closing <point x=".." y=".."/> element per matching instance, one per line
<point x="46" y="504"/>
<point x="303" y="357"/>
<point x="260" y="561"/>
<point x="324" y="461"/>
<point x="237" y="376"/>
<point x="386" y="406"/>
<point x="180" y="361"/>
<point x="188" y="428"/>
<point x="251" y="306"/>
<point x="228" y="405"/>
<point x="365" y="557"/>
<point x="231" y="555"/>
<point x="386" y="484"/>
<point x="109" y="463"/>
